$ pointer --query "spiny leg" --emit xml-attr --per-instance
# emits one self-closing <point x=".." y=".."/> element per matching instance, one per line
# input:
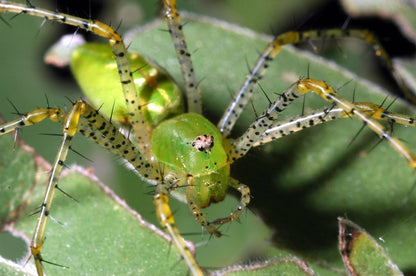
<point x="327" y="93"/>
<point x="193" y="92"/>
<point x="242" y="97"/>
<point x="283" y="128"/>
<point x="121" y="57"/>
<point x="244" y="201"/>
<point x="199" y="216"/>
<point x="246" y="141"/>
<point x="69" y="130"/>
<point x="166" y="219"/>
<point x="197" y="213"/>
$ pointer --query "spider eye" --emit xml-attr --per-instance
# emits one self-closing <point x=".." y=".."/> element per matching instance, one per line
<point x="203" y="143"/>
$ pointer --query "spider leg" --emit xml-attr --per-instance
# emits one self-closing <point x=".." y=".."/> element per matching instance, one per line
<point x="242" y="97"/>
<point x="244" y="201"/>
<point x="166" y="219"/>
<point x="246" y="141"/>
<point x="283" y="128"/>
<point x="193" y="92"/>
<point x="201" y="219"/>
<point x="197" y="213"/>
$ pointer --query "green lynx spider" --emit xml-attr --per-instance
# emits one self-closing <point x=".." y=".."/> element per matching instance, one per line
<point x="234" y="150"/>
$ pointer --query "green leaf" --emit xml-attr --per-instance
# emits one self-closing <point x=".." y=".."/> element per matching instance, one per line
<point x="17" y="174"/>
<point x="361" y="254"/>
<point x="100" y="233"/>
<point x="300" y="184"/>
